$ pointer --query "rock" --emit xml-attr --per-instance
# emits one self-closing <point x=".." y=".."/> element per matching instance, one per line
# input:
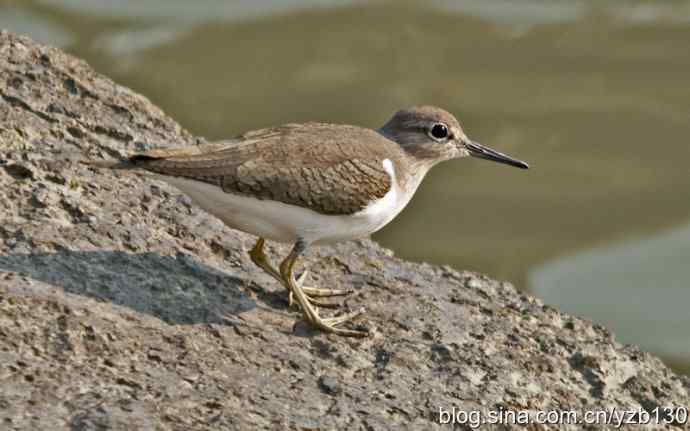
<point x="19" y="172"/>
<point x="123" y="306"/>
<point x="329" y="385"/>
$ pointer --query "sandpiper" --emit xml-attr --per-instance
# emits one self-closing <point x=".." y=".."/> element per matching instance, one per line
<point x="313" y="183"/>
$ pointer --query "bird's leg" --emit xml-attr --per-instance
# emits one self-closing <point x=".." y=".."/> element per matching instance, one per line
<point x="310" y="313"/>
<point x="261" y="260"/>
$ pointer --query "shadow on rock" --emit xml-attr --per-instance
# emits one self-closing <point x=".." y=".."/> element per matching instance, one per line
<point x="177" y="290"/>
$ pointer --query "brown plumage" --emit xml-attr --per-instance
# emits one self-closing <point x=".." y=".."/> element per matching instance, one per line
<point x="330" y="169"/>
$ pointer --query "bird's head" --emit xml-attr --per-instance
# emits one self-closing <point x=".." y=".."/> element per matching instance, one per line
<point x="432" y="134"/>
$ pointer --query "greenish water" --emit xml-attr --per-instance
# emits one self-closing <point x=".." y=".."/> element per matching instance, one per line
<point x="593" y="93"/>
<point x="622" y="284"/>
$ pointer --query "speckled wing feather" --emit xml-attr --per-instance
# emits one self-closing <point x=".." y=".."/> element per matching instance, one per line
<point x="331" y="169"/>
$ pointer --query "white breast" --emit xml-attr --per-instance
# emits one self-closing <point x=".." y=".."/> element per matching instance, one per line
<point x="282" y="222"/>
<point x="380" y="212"/>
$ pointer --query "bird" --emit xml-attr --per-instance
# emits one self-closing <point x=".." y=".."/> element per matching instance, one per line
<point x="312" y="183"/>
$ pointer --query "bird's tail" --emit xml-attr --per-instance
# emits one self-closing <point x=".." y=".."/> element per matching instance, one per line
<point x="108" y="164"/>
<point x="132" y="162"/>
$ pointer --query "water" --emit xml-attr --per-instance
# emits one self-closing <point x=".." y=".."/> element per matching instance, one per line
<point x="593" y="93"/>
<point x="639" y="287"/>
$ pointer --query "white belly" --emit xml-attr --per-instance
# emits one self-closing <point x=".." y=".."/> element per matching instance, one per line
<point x="281" y="222"/>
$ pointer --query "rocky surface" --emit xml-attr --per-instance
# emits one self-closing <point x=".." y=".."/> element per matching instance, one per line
<point x="123" y="306"/>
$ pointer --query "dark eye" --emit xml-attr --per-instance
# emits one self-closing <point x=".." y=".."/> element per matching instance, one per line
<point x="439" y="131"/>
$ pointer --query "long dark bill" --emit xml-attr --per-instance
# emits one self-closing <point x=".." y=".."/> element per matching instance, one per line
<point x="482" y="152"/>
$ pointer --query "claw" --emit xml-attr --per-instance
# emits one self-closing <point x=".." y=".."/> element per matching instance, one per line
<point x="324" y="293"/>
<point x="344" y="317"/>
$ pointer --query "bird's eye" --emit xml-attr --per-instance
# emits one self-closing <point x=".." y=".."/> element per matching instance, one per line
<point x="439" y="131"/>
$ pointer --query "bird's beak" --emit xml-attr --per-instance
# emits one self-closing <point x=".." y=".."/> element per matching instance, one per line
<point x="480" y="151"/>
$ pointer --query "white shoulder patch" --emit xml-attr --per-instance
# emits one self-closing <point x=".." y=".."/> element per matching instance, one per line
<point x="388" y="166"/>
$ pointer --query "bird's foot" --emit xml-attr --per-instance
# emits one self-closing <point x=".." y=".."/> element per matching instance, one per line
<point x="328" y="324"/>
<point x="308" y="298"/>
<point x="312" y="293"/>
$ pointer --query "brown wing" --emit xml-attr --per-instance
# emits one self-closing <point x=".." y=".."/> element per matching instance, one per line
<point x="328" y="168"/>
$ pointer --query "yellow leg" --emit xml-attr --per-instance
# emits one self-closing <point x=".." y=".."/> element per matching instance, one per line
<point x="310" y="313"/>
<point x="261" y="260"/>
